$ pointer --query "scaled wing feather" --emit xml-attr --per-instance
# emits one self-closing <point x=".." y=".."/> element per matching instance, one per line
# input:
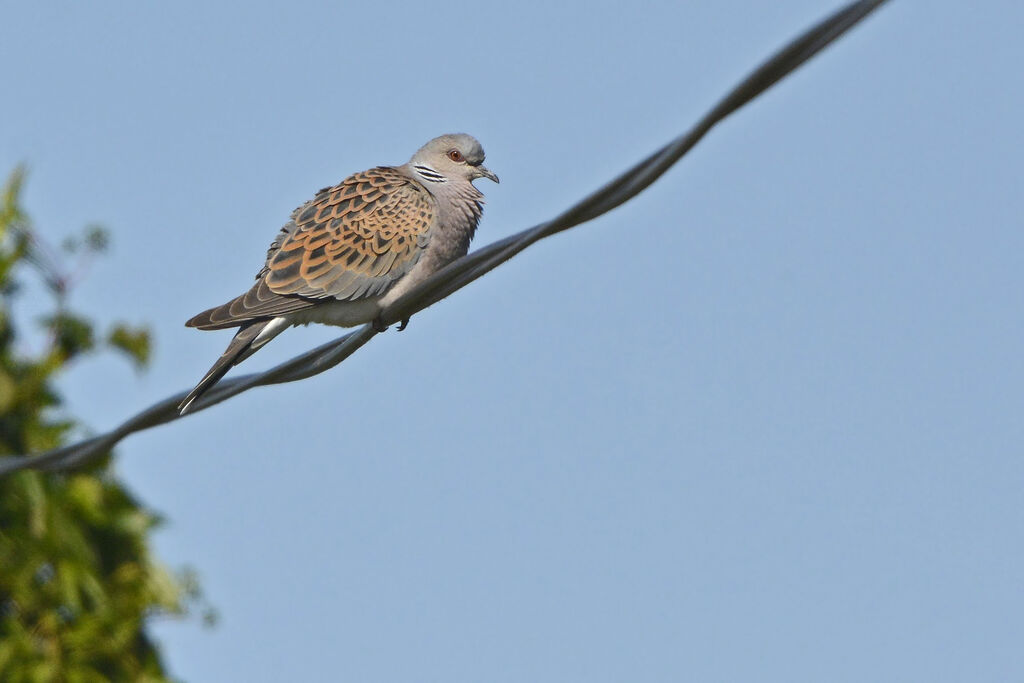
<point x="351" y="241"/>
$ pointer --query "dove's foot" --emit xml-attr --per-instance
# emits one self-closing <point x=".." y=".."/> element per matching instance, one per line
<point x="378" y="325"/>
<point x="404" y="324"/>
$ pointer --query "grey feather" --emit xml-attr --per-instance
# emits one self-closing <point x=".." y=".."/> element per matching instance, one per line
<point x="238" y="350"/>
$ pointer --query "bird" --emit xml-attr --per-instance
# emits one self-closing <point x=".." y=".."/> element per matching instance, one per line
<point x="354" y="248"/>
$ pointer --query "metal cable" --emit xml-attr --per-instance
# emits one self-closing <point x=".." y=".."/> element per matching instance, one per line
<point x="457" y="275"/>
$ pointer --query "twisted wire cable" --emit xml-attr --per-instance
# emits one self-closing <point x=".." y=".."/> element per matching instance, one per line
<point x="460" y="273"/>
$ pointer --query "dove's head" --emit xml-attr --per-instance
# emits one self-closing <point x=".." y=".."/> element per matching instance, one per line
<point x="457" y="156"/>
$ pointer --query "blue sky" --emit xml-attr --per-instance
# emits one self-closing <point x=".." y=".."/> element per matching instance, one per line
<point x="761" y="423"/>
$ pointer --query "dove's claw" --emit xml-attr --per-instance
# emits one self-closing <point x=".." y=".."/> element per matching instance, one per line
<point x="404" y="324"/>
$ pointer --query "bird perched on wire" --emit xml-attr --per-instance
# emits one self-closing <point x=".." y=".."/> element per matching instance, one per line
<point x="355" y="248"/>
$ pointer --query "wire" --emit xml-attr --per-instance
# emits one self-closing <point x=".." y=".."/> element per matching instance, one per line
<point x="457" y="275"/>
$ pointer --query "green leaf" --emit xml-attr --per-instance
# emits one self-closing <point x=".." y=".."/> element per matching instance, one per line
<point x="71" y="334"/>
<point x="96" y="238"/>
<point x="8" y="391"/>
<point x="134" y="341"/>
<point x="10" y="211"/>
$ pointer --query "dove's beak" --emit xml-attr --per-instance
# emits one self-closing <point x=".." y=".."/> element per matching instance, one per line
<point x="484" y="172"/>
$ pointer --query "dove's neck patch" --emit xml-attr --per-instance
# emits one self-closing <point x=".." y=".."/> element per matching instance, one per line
<point x="429" y="174"/>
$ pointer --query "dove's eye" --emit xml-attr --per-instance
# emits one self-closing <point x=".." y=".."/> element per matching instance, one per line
<point x="456" y="155"/>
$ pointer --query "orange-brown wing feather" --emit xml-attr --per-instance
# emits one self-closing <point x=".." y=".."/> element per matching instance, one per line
<point x="352" y="240"/>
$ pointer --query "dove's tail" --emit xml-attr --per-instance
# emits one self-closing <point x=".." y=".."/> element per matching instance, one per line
<point x="249" y="339"/>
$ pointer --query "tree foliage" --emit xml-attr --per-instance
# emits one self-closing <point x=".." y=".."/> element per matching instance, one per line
<point x="78" y="583"/>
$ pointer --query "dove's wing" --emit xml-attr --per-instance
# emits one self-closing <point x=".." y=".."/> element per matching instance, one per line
<point x="351" y="241"/>
<point x="355" y="239"/>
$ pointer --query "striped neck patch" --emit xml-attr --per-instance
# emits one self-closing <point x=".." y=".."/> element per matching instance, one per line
<point x="430" y="174"/>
